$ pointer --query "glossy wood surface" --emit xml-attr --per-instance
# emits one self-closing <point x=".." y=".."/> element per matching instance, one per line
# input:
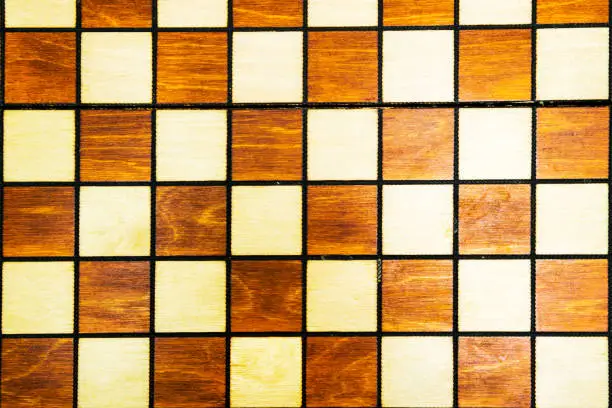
<point x="267" y="13"/>
<point x="418" y="12"/>
<point x="116" y="13"/>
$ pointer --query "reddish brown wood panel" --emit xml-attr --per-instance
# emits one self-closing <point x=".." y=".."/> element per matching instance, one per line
<point x="268" y="13"/>
<point x="572" y="11"/>
<point x="418" y="12"/>
<point x="116" y="13"/>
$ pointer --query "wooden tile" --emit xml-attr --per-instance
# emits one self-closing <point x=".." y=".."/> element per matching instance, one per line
<point x="192" y="13"/>
<point x="418" y="12"/>
<point x="341" y="372"/>
<point x="37" y="372"/>
<point x="494" y="12"/>
<point x="268" y="13"/>
<point x="116" y="13"/>
<point x="342" y="220"/>
<point x="114" y="297"/>
<point x="40" y="67"/>
<point x="342" y="13"/>
<point x="572" y="11"/>
<point x="38" y="221"/>
<point x="494" y="65"/>
<point x="342" y="66"/>
<point x="191" y="220"/>
<point x="40" y="13"/>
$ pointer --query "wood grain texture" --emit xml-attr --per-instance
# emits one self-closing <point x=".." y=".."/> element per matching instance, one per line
<point x="573" y="142"/>
<point x="189" y="372"/>
<point x="191" y="220"/>
<point x="267" y="144"/>
<point x="115" y="145"/>
<point x="494" y="65"/>
<point x="37" y="373"/>
<point x="417" y="295"/>
<point x="572" y="11"/>
<point x="494" y="219"/>
<point x="268" y="13"/>
<point x="191" y="67"/>
<point x="341" y="372"/>
<point x="116" y="13"/>
<point x="38" y="221"/>
<point x="114" y="297"/>
<point x="40" y="67"/>
<point x="494" y="372"/>
<point x="572" y="295"/>
<point x="418" y="12"/>
<point x="342" y="220"/>
<point x="343" y="66"/>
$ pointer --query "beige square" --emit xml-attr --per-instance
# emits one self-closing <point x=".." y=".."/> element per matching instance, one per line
<point x="417" y="371"/>
<point x="191" y="145"/>
<point x="113" y="373"/>
<point x="38" y="297"/>
<point x="40" y="13"/>
<point x="418" y="220"/>
<point x="428" y="78"/>
<point x="322" y="13"/>
<point x="266" y="372"/>
<point x="572" y="63"/>
<point x="571" y="372"/>
<point x="341" y="295"/>
<point x="38" y="145"/>
<point x="192" y="13"/>
<point x="267" y="220"/>
<point x="190" y="296"/>
<point x="572" y="219"/>
<point x="267" y="67"/>
<point x="495" y="143"/>
<point x="495" y="12"/>
<point x="115" y="221"/>
<point x="116" y="68"/>
<point x="342" y="144"/>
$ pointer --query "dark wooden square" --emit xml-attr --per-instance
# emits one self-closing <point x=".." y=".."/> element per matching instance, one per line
<point x="116" y="13"/>
<point x="268" y="13"/>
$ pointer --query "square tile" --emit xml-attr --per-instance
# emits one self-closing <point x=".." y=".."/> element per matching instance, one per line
<point x="586" y="77"/>
<point x="572" y="11"/>
<point x="494" y="295"/>
<point x="495" y="12"/>
<point x="116" y="13"/>
<point x="341" y="296"/>
<point x="495" y="219"/>
<point x="429" y="78"/>
<point x="191" y="220"/>
<point x="572" y="295"/>
<point x="266" y="372"/>
<point x="266" y="296"/>
<point x="342" y="144"/>
<point x="417" y="220"/>
<point x="46" y="213"/>
<point x="344" y="13"/>
<point x="40" y="13"/>
<point x="191" y="145"/>
<point x="116" y="67"/>
<point x="276" y="78"/>
<point x="38" y="145"/>
<point x="418" y="12"/>
<point x="267" y="220"/>
<point x="268" y="13"/>
<point x="572" y="219"/>
<point x="37" y="297"/>
<point x="115" y="221"/>
<point x="342" y="220"/>
<point x="191" y="67"/>
<point x="417" y="295"/>
<point x="343" y="66"/>
<point x="192" y="13"/>
<point x="267" y="144"/>
<point x="114" y="297"/>
<point x="190" y="296"/>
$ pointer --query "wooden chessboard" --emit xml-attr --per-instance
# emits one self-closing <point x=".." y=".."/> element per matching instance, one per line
<point x="317" y="203"/>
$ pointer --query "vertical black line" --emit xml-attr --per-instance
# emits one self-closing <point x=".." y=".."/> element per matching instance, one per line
<point x="379" y="211"/>
<point x="304" y="201"/>
<point x="456" y="207"/>
<point x="534" y="140"/>
<point x="228" y="205"/>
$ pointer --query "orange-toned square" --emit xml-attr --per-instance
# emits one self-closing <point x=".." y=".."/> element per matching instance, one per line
<point x="40" y="67"/>
<point x="494" y="65"/>
<point x="116" y="13"/>
<point x="343" y="66"/>
<point x="38" y="221"/>
<point x="573" y="142"/>
<point x="115" y="145"/>
<point x="191" y="67"/>
<point x="418" y="144"/>
<point x="572" y="11"/>
<point x="267" y="144"/>
<point x="418" y="12"/>
<point x="268" y="13"/>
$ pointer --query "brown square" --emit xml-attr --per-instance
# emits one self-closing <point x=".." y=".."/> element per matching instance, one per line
<point x="494" y="219"/>
<point x="418" y="144"/>
<point x="189" y="372"/>
<point x="116" y="13"/>
<point x="494" y="65"/>
<point x="40" y="67"/>
<point x="341" y="372"/>
<point x="572" y="11"/>
<point x="191" y="67"/>
<point x="268" y="13"/>
<point x="267" y="144"/>
<point x="573" y="142"/>
<point x="417" y="295"/>
<point x="342" y="220"/>
<point x="115" y="145"/>
<point x="38" y="221"/>
<point x="418" y="12"/>
<point x="343" y="66"/>
<point x="572" y="295"/>
<point x="191" y="220"/>
<point x="114" y="297"/>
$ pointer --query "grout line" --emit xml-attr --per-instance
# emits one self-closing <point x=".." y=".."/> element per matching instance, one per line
<point x="533" y="204"/>
<point x="456" y="185"/>
<point x="379" y="214"/>
<point x="304" y="393"/>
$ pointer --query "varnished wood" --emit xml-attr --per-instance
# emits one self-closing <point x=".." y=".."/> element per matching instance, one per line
<point x="572" y="11"/>
<point x="268" y="13"/>
<point x="418" y="12"/>
<point x="116" y="13"/>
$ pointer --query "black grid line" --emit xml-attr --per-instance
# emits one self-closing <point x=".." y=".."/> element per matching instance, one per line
<point x="379" y="212"/>
<point x="456" y="185"/>
<point x="533" y="205"/>
<point x="304" y="393"/>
